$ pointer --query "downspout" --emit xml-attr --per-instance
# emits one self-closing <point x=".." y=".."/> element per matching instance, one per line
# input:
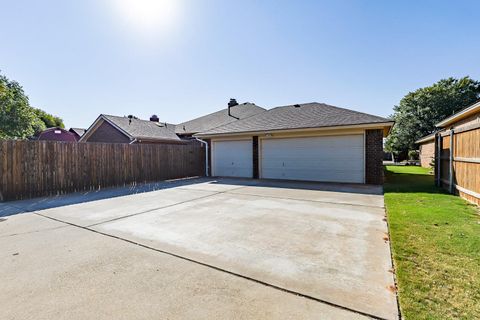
<point x="133" y="141"/>
<point x="206" y="154"/>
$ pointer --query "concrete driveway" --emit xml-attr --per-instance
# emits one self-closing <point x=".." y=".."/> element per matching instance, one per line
<point x="199" y="249"/>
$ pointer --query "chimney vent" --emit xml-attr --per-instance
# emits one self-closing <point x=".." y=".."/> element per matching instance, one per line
<point x="232" y="103"/>
<point x="154" y="118"/>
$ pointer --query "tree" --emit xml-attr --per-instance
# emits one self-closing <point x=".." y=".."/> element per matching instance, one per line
<point x="49" y="120"/>
<point x="18" y="120"/>
<point x="419" y="111"/>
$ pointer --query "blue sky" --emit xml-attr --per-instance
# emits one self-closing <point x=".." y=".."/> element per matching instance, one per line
<point x="184" y="58"/>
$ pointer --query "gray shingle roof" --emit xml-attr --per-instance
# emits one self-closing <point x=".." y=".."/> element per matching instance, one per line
<point x="144" y="129"/>
<point x="219" y="118"/>
<point x="308" y="115"/>
<point x="78" y="131"/>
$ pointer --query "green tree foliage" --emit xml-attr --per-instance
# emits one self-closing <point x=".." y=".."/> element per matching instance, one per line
<point x="419" y="111"/>
<point x="49" y="120"/>
<point x="18" y="120"/>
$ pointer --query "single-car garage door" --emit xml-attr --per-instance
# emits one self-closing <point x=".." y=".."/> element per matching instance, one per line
<point x="325" y="158"/>
<point x="232" y="158"/>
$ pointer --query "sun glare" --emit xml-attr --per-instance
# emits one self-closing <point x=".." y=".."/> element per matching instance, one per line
<point x="147" y="17"/>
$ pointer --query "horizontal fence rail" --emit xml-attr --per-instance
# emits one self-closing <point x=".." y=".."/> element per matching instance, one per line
<point x="38" y="168"/>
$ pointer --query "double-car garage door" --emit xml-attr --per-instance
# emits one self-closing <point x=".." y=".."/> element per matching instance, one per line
<point x="322" y="158"/>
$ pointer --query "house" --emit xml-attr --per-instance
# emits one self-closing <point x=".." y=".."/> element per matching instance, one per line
<point x="57" y="134"/>
<point x="426" y="147"/>
<point x="114" y="129"/>
<point x="457" y="164"/>
<point x="78" y="132"/>
<point x="232" y="113"/>
<point x="312" y="141"/>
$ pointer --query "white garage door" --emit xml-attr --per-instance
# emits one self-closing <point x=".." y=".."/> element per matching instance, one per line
<point x="327" y="158"/>
<point x="232" y="158"/>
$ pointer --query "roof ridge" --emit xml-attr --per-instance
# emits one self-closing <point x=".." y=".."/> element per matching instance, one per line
<point x="312" y="115"/>
<point x="238" y="120"/>
<point x="144" y="120"/>
<point x="219" y="111"/>
<point x="350" y="110"/>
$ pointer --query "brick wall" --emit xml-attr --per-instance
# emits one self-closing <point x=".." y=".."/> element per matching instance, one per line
<point x="107" y="133"/>
<point x="209" y="142"/>
<point x="255" y="157"/>
<point x="374" y="156"/>
<point x="427" y="153"/>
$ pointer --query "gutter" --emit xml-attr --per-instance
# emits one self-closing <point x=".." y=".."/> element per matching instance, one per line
<point x="206" y="154"/>
<point x="374" y="125"/>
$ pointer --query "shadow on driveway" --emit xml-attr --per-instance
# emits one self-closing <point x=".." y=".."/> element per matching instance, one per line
<point x="28" y="205"/>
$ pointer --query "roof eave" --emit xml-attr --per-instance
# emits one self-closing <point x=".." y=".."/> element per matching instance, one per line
<point x="430" y="137"/>
<point x="460" y="115"/>
<point x="386" y="126"/>
<point x="146" y="139"/>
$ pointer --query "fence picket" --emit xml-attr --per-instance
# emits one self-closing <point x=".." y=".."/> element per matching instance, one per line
<point x="39" y="168"/>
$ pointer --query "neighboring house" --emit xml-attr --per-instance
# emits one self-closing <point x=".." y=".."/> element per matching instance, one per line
<point x="458" y="153"/>
<point x="426" y="146"/>
<point x="313" y="141"/>
<point x="232" y="113"/>
<point x="78" y="132"/>
<point x="114" y="129"/>
<point x="57" y="134"/>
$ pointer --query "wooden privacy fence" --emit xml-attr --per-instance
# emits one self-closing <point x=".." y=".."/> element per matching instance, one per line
<point x="37" y="168"/>
<point x="458" y="162"/>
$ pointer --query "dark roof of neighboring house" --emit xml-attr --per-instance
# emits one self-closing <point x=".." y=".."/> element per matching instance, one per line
<point x="143" y="129"/>
<point x="219" y="118"/>
<point x="78" y="131"/>
<point x="299" y="116"/>
<point x="57" y="134"/>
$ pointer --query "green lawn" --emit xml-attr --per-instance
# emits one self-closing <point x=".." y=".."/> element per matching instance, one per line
<point x="435" y="240"/>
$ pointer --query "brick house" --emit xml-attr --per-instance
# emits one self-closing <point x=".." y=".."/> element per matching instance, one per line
<point x="312" y="142"/>
<point x="114" y="129"/>
<point x="426" y="148"/>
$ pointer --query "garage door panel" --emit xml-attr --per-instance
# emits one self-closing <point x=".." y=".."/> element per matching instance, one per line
<point x="332" y="158"/>
<point x="233" y="158"/>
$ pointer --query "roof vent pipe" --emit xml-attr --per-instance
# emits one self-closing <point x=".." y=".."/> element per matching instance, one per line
<point x="232" y="103"/>
<point x="154" y="118"/>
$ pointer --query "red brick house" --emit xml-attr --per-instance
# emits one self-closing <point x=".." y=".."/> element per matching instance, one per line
<point x="114" y="129"/>
<point x="312" y="141"/>
<point x="426" y="148"/>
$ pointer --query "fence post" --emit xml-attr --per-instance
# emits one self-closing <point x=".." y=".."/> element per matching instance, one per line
<point x="451" y="162"/>
<point x="438" y="160"/>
